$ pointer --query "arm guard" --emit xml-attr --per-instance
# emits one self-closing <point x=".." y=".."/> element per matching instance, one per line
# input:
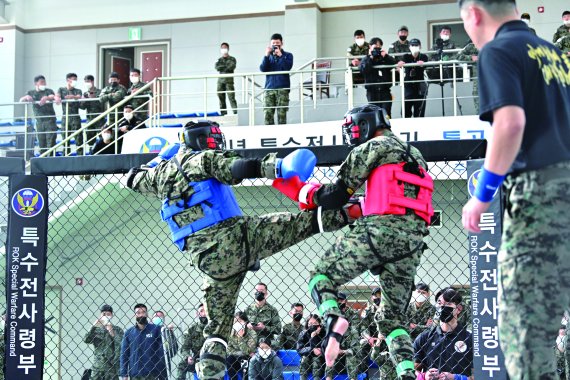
<point x="335" y="196"/>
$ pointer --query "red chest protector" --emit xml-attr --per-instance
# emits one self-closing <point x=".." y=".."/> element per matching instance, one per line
<point x="385" y="192"/>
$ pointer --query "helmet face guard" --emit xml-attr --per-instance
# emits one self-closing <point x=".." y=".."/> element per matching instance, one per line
<point x="361" y="123"/>
<point x="202" y="135"/>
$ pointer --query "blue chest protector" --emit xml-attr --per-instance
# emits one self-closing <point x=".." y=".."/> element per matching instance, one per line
<point x="216" y="199"/>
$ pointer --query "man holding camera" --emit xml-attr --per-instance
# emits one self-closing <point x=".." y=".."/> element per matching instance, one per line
<point x="378" y="81"/>
<point x="276" y="86"/>
<point x="263" y="318"/>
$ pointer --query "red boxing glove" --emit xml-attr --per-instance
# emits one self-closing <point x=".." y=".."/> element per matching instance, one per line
<point x="297" y="190"/>
<point x="354" y="211"/>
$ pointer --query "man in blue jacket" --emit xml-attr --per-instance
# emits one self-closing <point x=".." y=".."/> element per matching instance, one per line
<point x="141" y="351"/>
<point x="276" y="86"/>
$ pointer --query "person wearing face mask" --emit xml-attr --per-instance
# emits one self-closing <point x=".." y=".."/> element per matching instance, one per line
<point x="106" y="340"/>
<point x="265" y="365"/>
<point x="415" y="90"/>
<point x="169" y="341"/>
<point x="140" y="105"/>
<point x="309" y="348"/>
<point x="369" y="329"/>
<point x="131" y="120"/>
<point x="444" y="42"/>
<point x="70" y="120"/>
<point x="401" y="45"/>
<point x="420" y="311"/>
<point x="241" y="345"/>
<point x="226" y="64"/>
<point x="263" y="318"/>
<point x="43" y="98"/>
<point x="359" y="48"/>
<point x="111" y="95"/>
<point x="562" y="36"/>
<point x="288" y="338"/>
<point x="445" y="350"/>
<point x="142" y="353"/>
<point x="192" y="341"/>
<point x="105" y="142"/>
<point x="93" y="107"/>
<point x="525" y="17"/>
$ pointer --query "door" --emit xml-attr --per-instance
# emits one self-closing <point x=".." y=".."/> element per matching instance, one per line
<point x="122" y="66"/>
<point x="151" y="65"/>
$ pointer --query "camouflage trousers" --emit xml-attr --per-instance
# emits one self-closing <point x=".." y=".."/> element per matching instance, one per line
<point x="276" y="100"/>
<point x="312" y="365"/>
<point x="255" y="237"/>
<point x="534" y="268"/>
<point x="385" y="365"/>
<point x="46" y="130"/>
<point x="68" y="126"/>
<point x="108" y="374"/>
<point x="475" y="93"/>
<point x="226" y="87"/>
<point x="390" y="246"/>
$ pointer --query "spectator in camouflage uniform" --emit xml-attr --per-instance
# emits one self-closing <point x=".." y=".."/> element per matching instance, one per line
<point x="420" y="311"/>
<point x="561" y="35"/>
<point x="241" y="345"/>
<point x="559" y="350"/>
<point x="222" y="250"/>
<point x="140" y="105"/>
<point x="46" y="126"/>
<point x="525" y="17"/>
<point x="226" y="64"/>
<point x="359" y="48"/>
<point x="192" y="341"/>
<point x="106" y="340"/>
<point x="470" y="54"/>
<point x="277" y="87"/>
<point x="113" y="94"/>
<point x="290" y="333"/>
<point x="70" y="120"/>
<point x="309" y="348"/>
<point x="389" y="243"/>
<point x="93" y="107"/>
<point x="401" y="45"/>
<point x="446" y="43"/>
<point x="263" y="318"/>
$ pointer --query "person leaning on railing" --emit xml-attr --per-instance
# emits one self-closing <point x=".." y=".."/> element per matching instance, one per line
<point x="415" y="92"/>
<point x="139" y="104"/>
<point x="70" y="120"/>
<point x="113" y="94"/>
<point x="93" y="107"/>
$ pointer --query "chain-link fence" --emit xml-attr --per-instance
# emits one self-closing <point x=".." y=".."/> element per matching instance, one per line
<point x="108" y="245"/>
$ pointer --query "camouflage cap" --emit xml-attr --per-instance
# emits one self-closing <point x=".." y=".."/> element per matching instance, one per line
<point x="415" y="42"/>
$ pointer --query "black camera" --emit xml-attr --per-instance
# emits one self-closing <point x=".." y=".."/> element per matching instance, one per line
<point x="275" y="48"/>
<point x="376" y="52"/>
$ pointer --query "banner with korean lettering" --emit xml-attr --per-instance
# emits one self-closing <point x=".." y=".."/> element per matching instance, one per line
<point x="25" y="276"/>
<point x="488" y="360"/>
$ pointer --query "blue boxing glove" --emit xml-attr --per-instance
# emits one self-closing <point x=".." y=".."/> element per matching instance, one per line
<point x="301" y="162"/>
<point x="165" y="154"/>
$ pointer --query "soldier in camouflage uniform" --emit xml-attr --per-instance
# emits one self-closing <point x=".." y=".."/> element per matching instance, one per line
<point x="139" y="104"/>
<point x="46" y="126"/>
<point x="470" y="54"/>
<point x="263" y="318"/>
<point x="93" y="107"/>
<point x="420" y="312"/>
<point x="401" y="45"/>
<point x="359" y="48"/>
<point x="106" y="340"/>
<point x="388" y="240"/>
<point x="192" y="341"/>
<point x="526" y="101"/>
<point x="113" y="94"/>
<point x="191" y="178"/>
<point x="70" y="120"/>
<point x="226" y="64"/>
<point x="290" y="333"/>
<point x="241" y="345"/>
<point x="563" y="30"/>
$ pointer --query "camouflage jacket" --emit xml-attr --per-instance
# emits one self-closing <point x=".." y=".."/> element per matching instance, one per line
<point x="288" y="338"/>
<point x="355" y="50"/>
<point x="564" y="43"/>
<point x="268" y="315"/>
<point x="72" y="106"/>
<point x="419" y="317"/>
<point x="368" y="325"/>
<point x="466" y="55"/>
<point x="45" y="110"/>
<point x="242" y="345"/>
<point x="137" y="102"/>
<point x="399" y="47"/>
<point x="107" y="349"/>
<point x="561" y="32"/>
<point x="352" y="337"/>
<point x="192" y="340"/>
<point x="447" y="45"/>
<point x="113" y="95"/>
<point x="94" y="108"/>
<point x="226" y="65"/>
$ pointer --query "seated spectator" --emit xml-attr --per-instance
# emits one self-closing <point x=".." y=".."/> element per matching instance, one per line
<point x="420" y="311"/>
<point x="445" y="351"/>
<point x="130" y="121"/>
<point x="265" y="365"/>
<point x="105" y="142"/>
<point x="309" y="347"/>
<point x="241" y="344"/>
<point x="290" y="332"/>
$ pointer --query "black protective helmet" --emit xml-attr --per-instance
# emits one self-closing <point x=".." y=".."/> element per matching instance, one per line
<point x="201" y="135"/>
<point x="361" y="123"/>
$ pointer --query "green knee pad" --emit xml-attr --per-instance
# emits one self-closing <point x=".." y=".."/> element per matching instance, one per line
<point x="316" y="294"/>
<point x="404" y="365"/>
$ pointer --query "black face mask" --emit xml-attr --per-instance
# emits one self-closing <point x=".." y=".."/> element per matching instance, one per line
<point x="403" y="38"/>
<point x="313" y="328"/>
<point x="259" y="296"/>
<point x="377" y="301"/>
<point x="142" y="320"/>
<point x="114" y="84"/>
<point x="445" y="313"/>
<point x="203" y="320"/>
<point x="297" y="317"/>
<point x="342" y="306"/>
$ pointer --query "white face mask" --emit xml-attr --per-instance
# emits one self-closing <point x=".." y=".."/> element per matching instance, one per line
<point x="525" y="21"/>
<point x="73" y="83"/>
<point x="105" y="320"/>
<point x="567" y="22"/>
<point x="420" y="297"/>
<point x="41" y="88"/>
<point x="224" y="51"/>
<point x="106" y="136"/>
<point x="263" y="353"/>
<point x="414" y="49"/>
<point x="359" y="41"/>
<point x="238" y="326"/>
<point x="444" y="37"/>
<point x="89" y="85"/>
<point x="128" y="115"/>
<point x="134" y="80"/>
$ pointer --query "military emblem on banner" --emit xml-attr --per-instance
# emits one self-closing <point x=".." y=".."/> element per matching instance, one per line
<point x="27" y="202"/>
<point x="154" y="145"/>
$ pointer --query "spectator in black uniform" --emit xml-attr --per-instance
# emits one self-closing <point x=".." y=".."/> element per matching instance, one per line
<point x="415" y="91"/>
<point x="309" y="347"/>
